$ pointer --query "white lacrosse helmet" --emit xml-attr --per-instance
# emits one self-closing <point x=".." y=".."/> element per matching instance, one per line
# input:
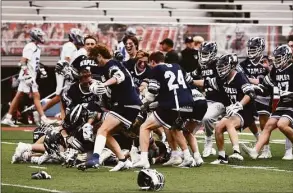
<point x="150" y="179"/>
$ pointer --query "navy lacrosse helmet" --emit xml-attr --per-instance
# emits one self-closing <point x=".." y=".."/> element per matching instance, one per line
<point x="282" y="56"/>
<point x="255" y="47"/>
<point x="225" y="65"/>
<point x="207" y="52"/>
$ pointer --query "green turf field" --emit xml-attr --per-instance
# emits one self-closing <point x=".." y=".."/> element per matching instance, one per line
<point x="272" y="175"/>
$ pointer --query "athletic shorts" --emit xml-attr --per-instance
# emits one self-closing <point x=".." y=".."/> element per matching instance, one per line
<point x="247" y="118"/>
<point x="283" y="112"/>
<point x="23" y="87"/>
<point x="263" y="109"/>
<point x="125" y="114"/>
<point x="167" y="117"/>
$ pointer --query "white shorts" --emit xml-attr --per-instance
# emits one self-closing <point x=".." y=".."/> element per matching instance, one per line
<point x="23" y="87"/>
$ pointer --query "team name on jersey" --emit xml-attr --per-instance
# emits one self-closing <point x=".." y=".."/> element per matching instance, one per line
<point x="253" y="71"/>
<point x="88" y="63"/>
<point x="207" y="72"/>
<point x="229" y="90"/>
<point x="282" y="77"/>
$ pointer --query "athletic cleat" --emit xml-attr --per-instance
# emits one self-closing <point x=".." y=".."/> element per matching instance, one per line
<point x="250" y="151"/>
<point x="49" y="121"/>
<point x="20" y="149"/>
<point x="142" y="164"/>
<point x="134" y="154"/>
<point x="92" y="163"/>
<point x="288" y="155"/>
<point x="265" y="153"/>
<point x="220" y="160"/>
<point x="235" y="157"/>
<point x="122" y="166"/>
<point x="8" y="122"/>
<point x="188" y="162"/>
<point x="106" y="153"/>
<point x="44" y="158"/>
<point x="175" y="160"/>
<point x="208" y="150"/>
<point x="198" y="160"/>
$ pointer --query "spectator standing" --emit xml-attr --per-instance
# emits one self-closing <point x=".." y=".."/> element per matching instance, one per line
<point x="171" y="56"/>
<point x="189" y="60"/>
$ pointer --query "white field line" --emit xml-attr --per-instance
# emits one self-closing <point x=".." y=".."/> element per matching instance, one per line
<point x="31" y="187"/>
<point x="260" y="168"/>
<point x="38" y="167"/>
<point x="8" y="143"/>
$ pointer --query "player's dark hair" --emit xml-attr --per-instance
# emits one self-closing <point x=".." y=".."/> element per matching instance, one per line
<point x="90" y="37"/>
<point x="132" y="38"/>
<point x="290" y="38"/>
<point x="100" y="49"/>
<point x="157" y="57"/>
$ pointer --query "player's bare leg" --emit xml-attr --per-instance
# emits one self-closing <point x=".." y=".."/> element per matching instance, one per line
<point x="266" y="152"/>
<point x="219" y="136"/>
<point x="284" y="126"/>
<point x="263" y="139"/>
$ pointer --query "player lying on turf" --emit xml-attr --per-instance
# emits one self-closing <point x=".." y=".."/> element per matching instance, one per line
<point x="282" y="76"/>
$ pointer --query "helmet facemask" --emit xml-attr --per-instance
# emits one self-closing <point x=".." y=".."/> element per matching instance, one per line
<point x="253" y="52"/>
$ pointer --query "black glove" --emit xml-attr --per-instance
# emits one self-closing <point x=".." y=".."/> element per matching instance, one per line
<point x="60" y="66"/>
<point x="118" y="55"/>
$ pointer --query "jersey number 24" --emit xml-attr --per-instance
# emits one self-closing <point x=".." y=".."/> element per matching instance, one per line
<point x="172" y="77"/>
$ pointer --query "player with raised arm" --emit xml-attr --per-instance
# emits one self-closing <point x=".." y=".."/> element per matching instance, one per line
<point x="29" y="65"/>
<point x="282" y="76"/>
<point x="117" y="82"/>
<point x="256" y="67"/>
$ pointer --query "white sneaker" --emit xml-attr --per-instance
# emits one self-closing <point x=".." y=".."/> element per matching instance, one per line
<point x="106" y="153"/>
<point x="288" y="155"/>
<point x="220" y="160"/>
<point x="134" y="154"/>
<point x="122" y="166"/>
<point x="142" y="164"/>
<point x="175" y="160"/>
<point x="8" y="122"/>
<point x="208" y="149"/>
<point x="198" y="160"/>
<point x="187" y="162"/>
<point x="236" y="157"/>
<point x="265" y="153"/>
<point x="45" y="157"/>
<point x="36" y="117"/>
<point x="45" y="120"/>
<point x="250" y="151"/>
<point x="19" y="150"/>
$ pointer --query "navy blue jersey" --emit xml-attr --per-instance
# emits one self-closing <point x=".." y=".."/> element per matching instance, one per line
<point x="256" y="71"/>
<point x="283" y="79"/>
<point x="123" y="93"/>
<point x="236" y="89"/>
<point x="210" y="71"/>
<point x="137" y="77"/>
<point x="164" y="79"/>
<point x="75" y="95"/>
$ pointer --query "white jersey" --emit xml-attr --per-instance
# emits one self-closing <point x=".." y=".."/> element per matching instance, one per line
<point x="68" y="50"/>
<point x="32" y="52"/>
<point x="121" y="48"/>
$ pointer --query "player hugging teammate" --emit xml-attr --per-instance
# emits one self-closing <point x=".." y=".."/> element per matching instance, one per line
<point x="125" y="111"/>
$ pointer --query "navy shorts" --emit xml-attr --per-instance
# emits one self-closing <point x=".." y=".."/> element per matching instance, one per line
<point x="247" y="117"/>
<point x="263" y="109"/>
<point x="283" y="112"/>
<point x="167" y="117"/>
<point x="126" y="114"/>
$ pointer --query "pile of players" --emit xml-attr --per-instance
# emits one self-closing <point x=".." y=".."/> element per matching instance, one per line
<point x="143" y="111"/>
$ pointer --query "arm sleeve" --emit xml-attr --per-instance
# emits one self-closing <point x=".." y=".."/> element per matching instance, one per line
<point x="28" y="51"/>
